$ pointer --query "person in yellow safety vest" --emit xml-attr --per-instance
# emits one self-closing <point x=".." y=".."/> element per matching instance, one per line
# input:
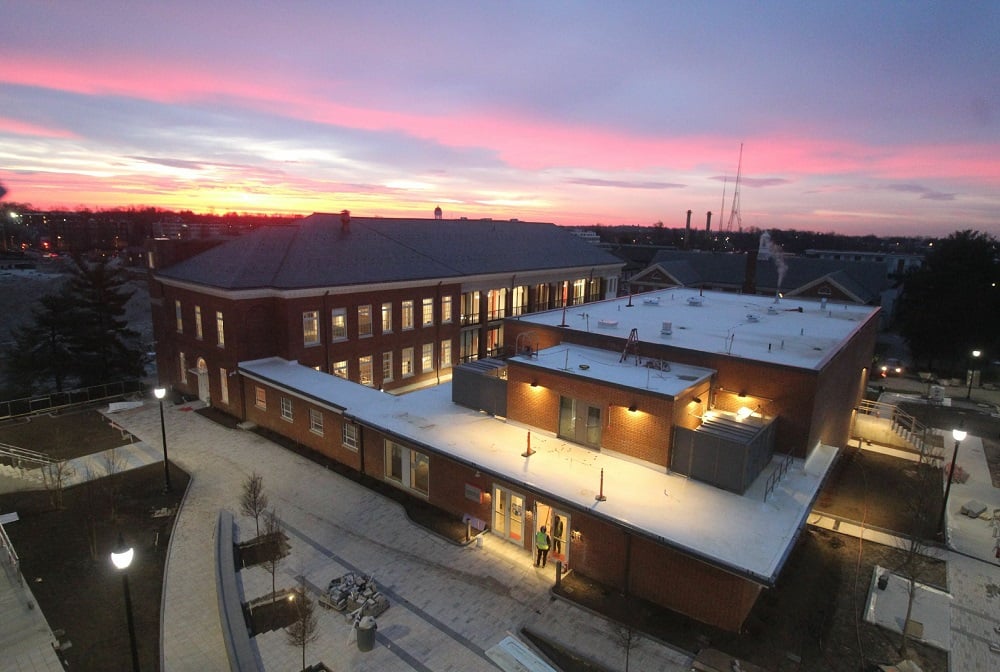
<point x="542" y="541"/>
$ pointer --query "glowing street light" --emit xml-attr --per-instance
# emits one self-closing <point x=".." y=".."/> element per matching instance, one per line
<point x="972" y="373"/>
<point x="121" y="558"/>
<point x="160" y="393"/>
<point x="959" y="435"/>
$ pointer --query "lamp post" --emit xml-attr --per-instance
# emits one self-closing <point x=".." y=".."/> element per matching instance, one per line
<point x="959" y="435"/>
<point x="972" y="373"/>
<point x="160" y="393"/>
<point x="121" y="558"/>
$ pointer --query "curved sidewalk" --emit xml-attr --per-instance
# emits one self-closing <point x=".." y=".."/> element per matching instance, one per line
<point x="449" y="604"/>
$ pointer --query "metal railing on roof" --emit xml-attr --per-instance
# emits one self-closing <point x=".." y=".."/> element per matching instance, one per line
<point x="16" y="408"/>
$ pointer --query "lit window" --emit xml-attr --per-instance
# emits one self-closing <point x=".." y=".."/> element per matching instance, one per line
<point x="364" y="321"/>
<point x="220" y="329"/>
<point x="184" y="369"/>
<point x="286" y="409"/>
<point x="365" y="370"/>
<point x="427" y="312"/>
<point x="340" y="369"/>
<point x="178" y="317"/>
<point x="406" y="365"/>
<point x="407" y="314"/>
<point x="197" y="323"/>
<point x="420" y="467"/>
<point x="351" y="435"/>
<point x="315" y="421"/>
<point x="427" y="357"/>
<point x="260" y="398"/>
<point x="445" y="309"/>
<point x="386" y="318"/>
<point x="310" y="327"/>
<point x="445" y="354"/>
<point x="338" y="325"/>
<point x="386" y="367"/>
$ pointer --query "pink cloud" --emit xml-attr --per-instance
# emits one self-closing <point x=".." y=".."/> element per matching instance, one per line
<point x="17" y="127"/>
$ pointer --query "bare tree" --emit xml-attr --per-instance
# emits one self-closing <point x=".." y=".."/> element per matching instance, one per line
<point x="272" y="530"/>
<point x="91" y="502"/>
<point x="114" y="464"/>
<point x="304" y="629"/>
<point x="253" y="503"/>
<point x="919" y="509"/>
<point x="55" y="475"/>
<point x="627" y="639"/>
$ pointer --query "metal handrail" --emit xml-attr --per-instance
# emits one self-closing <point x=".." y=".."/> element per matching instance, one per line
<point x="20" y="456"/>
<point x="776" y="476"/>
<point x="898" y="418"/>
<point x="8" y="547"/>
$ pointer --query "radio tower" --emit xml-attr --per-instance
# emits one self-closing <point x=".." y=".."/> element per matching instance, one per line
<point x="734" y="214"/>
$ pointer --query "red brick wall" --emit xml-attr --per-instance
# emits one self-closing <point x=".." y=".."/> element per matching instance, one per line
<point x="644" y="434"/>
<point x="689" y="586"/>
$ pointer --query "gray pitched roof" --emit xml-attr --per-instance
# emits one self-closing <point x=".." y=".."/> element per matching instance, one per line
<point x="316" y="252"/>
<point x="863" y="279"/>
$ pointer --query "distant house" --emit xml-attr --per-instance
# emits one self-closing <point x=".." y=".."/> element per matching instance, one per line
<point x="389" y="303"/>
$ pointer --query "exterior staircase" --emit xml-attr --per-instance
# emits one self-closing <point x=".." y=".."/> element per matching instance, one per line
<point x="886" y="424"/>
<point x="23" y="465"/>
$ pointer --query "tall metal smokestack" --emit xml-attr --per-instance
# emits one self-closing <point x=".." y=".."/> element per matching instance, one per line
<point x="687" y="231"/>
<point x="708" y="222"/>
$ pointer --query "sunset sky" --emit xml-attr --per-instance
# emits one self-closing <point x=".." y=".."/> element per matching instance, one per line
<point x="855" y="117"/>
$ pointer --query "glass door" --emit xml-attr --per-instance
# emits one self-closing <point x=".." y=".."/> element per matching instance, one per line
<point x="508" y="514"/>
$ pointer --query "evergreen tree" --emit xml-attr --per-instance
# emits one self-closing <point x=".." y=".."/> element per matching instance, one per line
<point x="104" y="347"/>
<point x="951" y="305"/>
<point x="43" y="354"/>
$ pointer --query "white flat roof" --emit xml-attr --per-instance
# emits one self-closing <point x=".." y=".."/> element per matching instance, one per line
<point x="606" y="366"/>
<point x="792" y="332"/>
<point x="742" y="533"/>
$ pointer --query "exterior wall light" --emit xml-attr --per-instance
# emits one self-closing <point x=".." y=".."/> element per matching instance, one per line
<point x="744" y="412"/>
<point x="632" y="408"/>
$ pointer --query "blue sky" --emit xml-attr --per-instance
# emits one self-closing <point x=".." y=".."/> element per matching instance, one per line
<point x="855" y="117"/>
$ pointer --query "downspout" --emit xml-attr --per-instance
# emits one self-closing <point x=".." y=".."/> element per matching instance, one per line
<point x="326" y="341"/>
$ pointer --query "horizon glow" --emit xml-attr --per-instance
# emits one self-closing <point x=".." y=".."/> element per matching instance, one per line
<point x="879" y="118"/>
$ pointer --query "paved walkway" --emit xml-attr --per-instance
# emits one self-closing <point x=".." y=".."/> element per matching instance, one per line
<point x="449" y="603"/>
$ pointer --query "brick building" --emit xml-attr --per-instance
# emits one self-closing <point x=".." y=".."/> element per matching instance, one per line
<point x="673" y="443"/>
<point x="390" y="303"/>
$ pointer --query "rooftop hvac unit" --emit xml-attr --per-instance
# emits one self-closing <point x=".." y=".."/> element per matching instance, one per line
<point x="667" y="329"/>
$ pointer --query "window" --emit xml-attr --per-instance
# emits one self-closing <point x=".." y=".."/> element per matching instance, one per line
<point x="224" y="385"/>
<point x="579" y="292"/>
<point x="151" y="259"/>
<point x="406" y="365"/>
<point x="470" y="308"/>
<point x="315" y="421"/>
<point x="445" y="361"/>
<point x="178" y="317"/>
<point x="350" y="435"/>
<point x="386" y="367"/>
<point x="494" y="340"/>
<point x="340" y="369"/>
<point x="407" y="314"/>
<point x="220" y="329"/>
<point x="197" y="323"/>
<point x="286" y="409"/>
<point x="407" y="467"/>
<point x="427" y="313"/>
<point x="364" y="321"/>
<point x="580" y="422"/>
<point x="310" y="328"/>
<point x="338" y="324"/>
<point x="496" y="300"/>
<point x="445" y="309"/>
<point x="260" y="398"/>
<point x="427" y="357"/>
<point x="365" y="370"/>
<point x="469" y="351"/>
<point x="386" y="318"/>
<point x="182" y="360"/>
<point x="519" y="301"/>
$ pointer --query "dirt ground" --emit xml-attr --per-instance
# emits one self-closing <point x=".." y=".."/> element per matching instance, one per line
<point x="82" y="594"/>
<point x="63" y="435"/>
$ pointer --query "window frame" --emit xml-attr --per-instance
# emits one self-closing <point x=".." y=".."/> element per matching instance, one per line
<point x="406" y="363"/>
<point x="316" y="421"/>
<point x="260" y="397"/>
<point x="338" y="333"/>
<point x="287" y="409"/>
<point x="338" y="366"/>
<point x="387" y="318"/>
<point x="350" y="435"/>
<point x="365" y="363"/>
<point x="426" y="357"/>
<point x="407" y="315"/>
<point x="427" y="312"/>
<point x="220" y="329"/>
<point x="387" y="366"/>
<point x="199" y="331"/>
<point x="310" y="325"/>
<point x="446" y="309"/>
<point x="365" y="327"/>
<point x="179" y="316"/>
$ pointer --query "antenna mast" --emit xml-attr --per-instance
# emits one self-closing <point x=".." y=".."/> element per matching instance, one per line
<point x="734" y="214"/>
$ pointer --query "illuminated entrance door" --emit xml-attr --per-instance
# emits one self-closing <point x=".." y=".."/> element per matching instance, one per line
<point x="202" y="372"/>
<point x="508" y="514"/>
<point x="556" y="524"/>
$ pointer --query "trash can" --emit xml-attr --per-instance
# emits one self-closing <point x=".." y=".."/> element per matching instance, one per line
<point x="366" y="633"/>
